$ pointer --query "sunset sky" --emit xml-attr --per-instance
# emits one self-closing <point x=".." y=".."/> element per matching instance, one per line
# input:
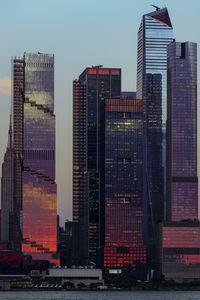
<point x="80" y="33"/>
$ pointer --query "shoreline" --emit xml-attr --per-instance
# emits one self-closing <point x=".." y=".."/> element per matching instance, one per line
<point x="195" y="289"/>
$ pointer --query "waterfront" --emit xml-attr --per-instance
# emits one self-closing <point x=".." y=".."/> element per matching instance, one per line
<point x="96" y="295"/>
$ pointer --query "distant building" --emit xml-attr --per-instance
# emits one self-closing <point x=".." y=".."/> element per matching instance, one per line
<point x="35" y="201"/>
<point x="76" y="276"/>
<point x="65" y="244"/>
<point x="7" y="193"/>
<point x="89" y="93"/>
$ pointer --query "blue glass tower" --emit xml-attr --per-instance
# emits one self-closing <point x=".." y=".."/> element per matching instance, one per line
<point x="154" y="36"/>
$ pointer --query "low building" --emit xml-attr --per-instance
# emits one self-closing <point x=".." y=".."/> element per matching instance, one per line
<point x="76" y="276"/>
<point x="180" y="250"/>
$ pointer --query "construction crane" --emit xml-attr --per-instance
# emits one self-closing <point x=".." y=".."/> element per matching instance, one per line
<point x="99" y="66"/>
<point x="156" y="7"/>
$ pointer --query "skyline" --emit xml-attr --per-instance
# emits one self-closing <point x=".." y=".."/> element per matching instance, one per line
<point x="67" y="69"/>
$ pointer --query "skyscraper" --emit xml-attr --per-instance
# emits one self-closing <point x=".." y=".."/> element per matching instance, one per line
<point x="182" y="181"/>
<point x="180" y="254"/>
<point x="35" y="204"/>
<point x="89" y="92"/>
<point x="7" y="192"/>
<point x="154" y="36"/>
<point x="125" y="210"/>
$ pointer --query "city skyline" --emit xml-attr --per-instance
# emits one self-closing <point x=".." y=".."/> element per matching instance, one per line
<point x="125" y="57"/>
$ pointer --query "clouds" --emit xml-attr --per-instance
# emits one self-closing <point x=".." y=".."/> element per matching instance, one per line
<point x="5" y="86"/>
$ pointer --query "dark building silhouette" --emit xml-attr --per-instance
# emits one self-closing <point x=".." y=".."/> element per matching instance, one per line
<point x="125" y="213"/>
<point x="89" y="93"/>
<point x="7" y="193"/>
<point x="65" y="244"/>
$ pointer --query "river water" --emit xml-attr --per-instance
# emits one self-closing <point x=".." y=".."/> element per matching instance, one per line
<point x="96" y="295"/>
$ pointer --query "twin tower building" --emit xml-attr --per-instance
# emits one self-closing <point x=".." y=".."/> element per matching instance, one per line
<point x="135" y="186"/>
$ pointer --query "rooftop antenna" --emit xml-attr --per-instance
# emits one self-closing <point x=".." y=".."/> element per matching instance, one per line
<point x="156" y="7"/>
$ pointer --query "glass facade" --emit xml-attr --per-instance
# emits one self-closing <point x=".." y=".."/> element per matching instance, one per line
<point x="89" y="92"/>
<point x="38" y="216"/>
<point x="182" y="181"/>
<point x="154" y="36"/>
<point x="181" y="232"/>
<point x="124" y="207"/>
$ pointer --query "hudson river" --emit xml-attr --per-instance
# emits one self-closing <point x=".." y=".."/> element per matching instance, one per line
<point x="93" y="295"/>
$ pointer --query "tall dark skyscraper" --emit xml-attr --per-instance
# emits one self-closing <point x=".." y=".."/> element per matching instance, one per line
<point x="35" y="200"/>
<point x="182" y="181"/>
<point x="7" y="192"/>
<point x="181" y="233"/>
<point x="89" y="93"/>
<point x="125" y="210"/>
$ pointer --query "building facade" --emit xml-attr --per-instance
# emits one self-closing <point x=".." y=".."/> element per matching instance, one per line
<point x="125" y="210"/>
<point x="35" y="200"/>
<point x="89" y="92"/>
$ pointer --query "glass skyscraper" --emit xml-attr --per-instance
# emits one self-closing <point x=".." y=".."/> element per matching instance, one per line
<point x="181" y="233"/>
<point x="182" y="181"/>
<point x="89" y="93"/>
<point x="154" y="36"/>
<point x="124" y="206"/>
<point x="35" y="200"/>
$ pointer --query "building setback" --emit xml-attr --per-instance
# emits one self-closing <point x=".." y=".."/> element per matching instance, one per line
<point x="89" y="92"/>
<point x="35" y="200"/>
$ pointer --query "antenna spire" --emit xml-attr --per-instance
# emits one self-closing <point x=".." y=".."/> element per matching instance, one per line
<point x="10" y="134"/>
